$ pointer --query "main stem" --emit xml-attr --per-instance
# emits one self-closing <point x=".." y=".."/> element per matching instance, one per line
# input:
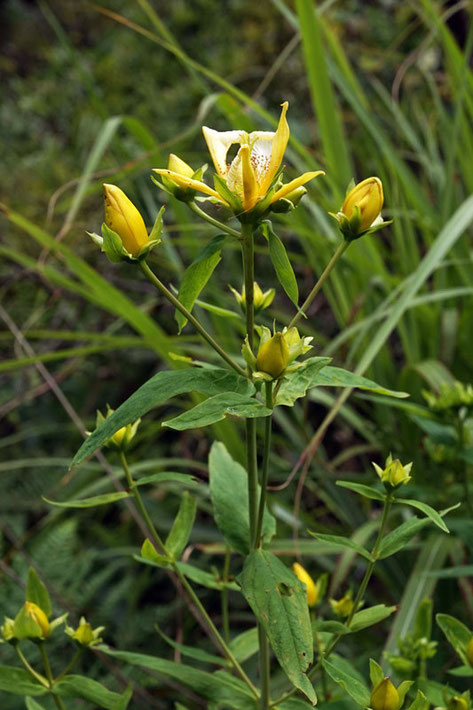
<point x="265" y="465"/>
<point x="183" y="580"/>
<point x="49" y="676"/>
<point x="152" y="278"/>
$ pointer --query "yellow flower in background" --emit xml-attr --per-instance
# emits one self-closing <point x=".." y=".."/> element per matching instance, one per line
<point x="385" y="696"/>
<point x="122" y="217"/>
<point x="311" y="587"/>
<point x="34" y="612"/>
<point x="249" y="176"/>
<point x="368" y="197"/>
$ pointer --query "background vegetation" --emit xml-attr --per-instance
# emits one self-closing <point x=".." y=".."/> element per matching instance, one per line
<point x="93" y="93"/>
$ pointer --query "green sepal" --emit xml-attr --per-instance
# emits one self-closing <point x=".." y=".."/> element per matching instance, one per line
<point x="25" y="627"/>
<point x="111" y="244"/>
<point x="157" y="230"/>
<point x="36" y="592"/>
<point x="148" y="552"/>
<point x="226" y="194"/>
<point x="376" y="673"/>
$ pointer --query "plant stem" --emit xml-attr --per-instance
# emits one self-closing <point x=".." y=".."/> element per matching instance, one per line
<point x="183" y="580"/>
<point x="215" y="222"/>
<point x="153" y="279"/>
<point x="49" y="675"/>
<point x="225" y="617"/>
<point x="71" y="665"/>
<point x="40" y="678"/>
<point x="356" y="603"/>
<point x="265" y="465"/>
<point x="264" y="668"/>
<point x="323" y="277"/>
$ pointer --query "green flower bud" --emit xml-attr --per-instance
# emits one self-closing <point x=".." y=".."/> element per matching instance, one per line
<point x="385" y="696"/>
<point x="273" y="356"/>
<point x="84" y="634"/>
<point x="457" y="703"/>
<point x="8" y="629"/>
<point x="342" y="607"/>
<point x="394" y="474"/>
<point x="122" y="438"/>
<point x="261" y="299"/>
<point x="469" y="651"/>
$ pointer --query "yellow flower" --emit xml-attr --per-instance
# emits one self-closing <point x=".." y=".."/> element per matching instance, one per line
<point x="344" y="606"/>
<point x="311" y="587"/>
<point x="457" y="703"/>
<point x="262" y="299"/>
<point x="250" y="174"/>
<point x="385" y="696"/>
<point x="273" y="356"/>
<point x="368" y="197"/>
<point x="469" y="651"/>
<point x="122" y="217"/>
<point x="395" y="473"/>
<point x="85" y="635"/>
<point x="34" y="612"/>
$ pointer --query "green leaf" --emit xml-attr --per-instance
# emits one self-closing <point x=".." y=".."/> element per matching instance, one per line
<point x="430" y="512"/>
<point x="420" y="702"/>
<point x="330" y="627"/>
<point x="245" y="645"/>
<point x="373" y="615"/>
<point x="403" y="689"/>
<point x="423" y="620"/>
<point x="32" y="704"/>
<point x="229" y="493"/>
<point x="219" y="687"/>
<point x="148" y="552"/>
<point x="340" y="542"/>
<point x="78" y="686"/>
<point x="338" y="377"/>
<point x="281" y="263"/>
<point x="36" y="592"/>
<point x="197" y="575"/>
<point x="89" y="502"/>
<point x="167" y="476"/>
<point x="182" y="526"/>
<point x="365" y="491"/>
<point x="197" y="274"/>
<point x="19" y="682"/>
<point x="279" y="601"/>
<point x="341" y="672"/>
<point x="296" y="384"/>
<point x="457" y="634"/>
<point x="216" y="408"/>
<point x="462" y="671"/>
<point x="398" y="538"/>
<point x="156" y="391"/>
<point x="192" y="651"/>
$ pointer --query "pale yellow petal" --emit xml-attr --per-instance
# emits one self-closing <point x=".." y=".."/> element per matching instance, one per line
<point x="250" y="186"/>
<point x="297" y="182"/>
<point x="278" y="147"/>
<point x="177" y="165"/>
<point x="189" y="183"/>
<point x="218" y="143"/>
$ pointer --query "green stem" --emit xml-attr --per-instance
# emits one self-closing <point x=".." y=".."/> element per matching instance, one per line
<point x="40" y="678"/>
<point x="265" y="465"/>
<point x="225" y="616"/>
<point x="264" y="668"/>
<point x="153" y="279"/>
<point x="358" y="598"/>
<point x="215" y="222"/>
<point x="49" y="675"/>
<point x="71" y="665"/>
<point x="320" y="651"/>
<point x="183" y="580"/>
<point x="463" y="464"/>
<point x="323" y="277"/>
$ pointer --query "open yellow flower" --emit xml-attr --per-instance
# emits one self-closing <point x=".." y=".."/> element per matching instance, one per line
<point x="250" y="175"/>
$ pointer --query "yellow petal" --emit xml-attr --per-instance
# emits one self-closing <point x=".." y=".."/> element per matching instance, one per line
<point x="297" y="182"/>
<point x="280" y="140"/>
<point x="218" y="143"/>
<point x="368" y="196"/>
<point x="122" y="216"/>
<point x="177" y="165"/>
<point x="304" y="577"/>
<point x="189" y="183"/>
<point x="250" y="187"/>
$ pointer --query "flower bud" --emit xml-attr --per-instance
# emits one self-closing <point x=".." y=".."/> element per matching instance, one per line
<point x="458" y="703"/>
<point x="368" y="197"/>
<point x="122" y="438"/>
<point x="469" y="651"/>
<point x="85" y="635"/>
<point x="304" y="577"/>
<point x="344" y="606"/>
<point x="177" y="165"/>
<point x="273" y="356"/>
<point x="8" y="629"/>
<point x="36" y="614"/>
<point x="385" y="696"/>
<point x="394" y="473"/>
<point x="261" y="299"/>
<point x="289" y="201"/>
<point x="122" y="217"/>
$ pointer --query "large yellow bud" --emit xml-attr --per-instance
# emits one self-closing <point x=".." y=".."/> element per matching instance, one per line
<point x="368" y="197"/>
<point x="457" y="703"/>
<point x="38" y="616"/>
<point x="123" y="218"/>
<point x="304" y="577"/>
<point x="273" y="356"/>
<point x="469" y="651"/>
<point x="385" y="696"/>
<point x="177" y="165"/>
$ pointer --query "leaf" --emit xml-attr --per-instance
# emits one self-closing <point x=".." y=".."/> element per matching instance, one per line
<point x="298" y="382"/>
<point x="17" y="681"/>
<point x="365" y="491"/>
<point x="197" y="575"/>
<point x="165" y="477"/>
<point x="37" y="592"/>
<point x="330" y="627"/>
<point x="229" y="493"/>
<point x="192" y="651"/>
<point x="197" y="274"/>
<point x="245" y="645"/>
<point x="89" y="502"/>
<point x="78" y="686"/>
<point x="156" y="391"/>
<point x="180" y="532"/>
<point x="32" y="704"/>
<point x="373" y="615"/>
<point x="430" y="512"/>
<point x="217" y="687"/>
<point x="279" y="601"/>
<point x="341" y="672"/>
<point x="398" y="538"/>
<point x="456" y="633"/>
<point x="340" y="542"/>
<point x="281" y="263"/>
<point x="216" y="408"/>
<point x="338" y="377"/>
<point x="420" y="702"/>
<point x="462" y="671"/>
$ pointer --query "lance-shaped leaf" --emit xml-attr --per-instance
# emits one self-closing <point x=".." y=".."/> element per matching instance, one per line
<point x="296" y="384"/>
<point x="342" y="673"/>
<point x="430" y="512"/>
<point x="197" y="274"/>
<point x="93" y="502"/>
<point x="36" y="592"/>
<point x="229" y="492"/>
<point x="338" y="377"/>
<point x="182" y="526"/>
<point x="216" y="408"/>
<point x="340" y="542"/>
<point x="78" y="686"/>
<point x="373" y="615"/>
<point x="19" y="682"/>
<point x="150" y="557"/>
<point x="279" y="601"/>
<point x="281" y="263"/>
<point x="363" y="490"/>
<point x="156" y="391"/>
<point x="456" y="633"/>
<point x="398" y="538"/>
